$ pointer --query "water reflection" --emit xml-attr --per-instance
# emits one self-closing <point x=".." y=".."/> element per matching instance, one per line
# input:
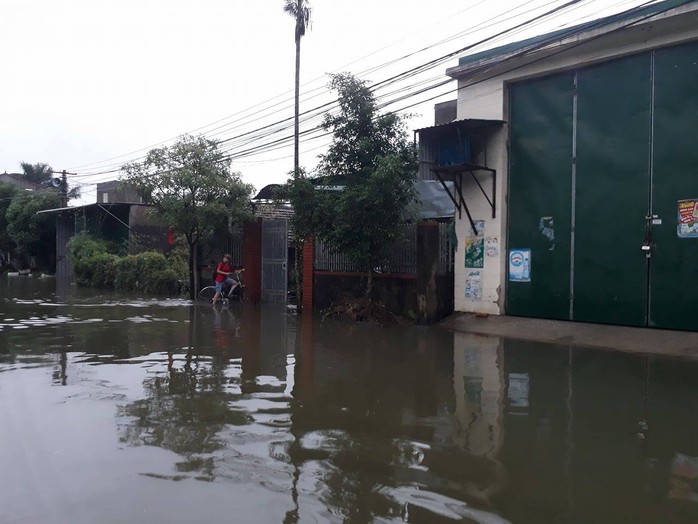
<point x="274" y="418"/>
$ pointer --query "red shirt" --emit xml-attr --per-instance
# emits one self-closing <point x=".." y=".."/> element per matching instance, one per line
<point x="227" y="268"/>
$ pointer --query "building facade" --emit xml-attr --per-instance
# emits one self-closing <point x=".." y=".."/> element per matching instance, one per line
<point x="590" y="139"/>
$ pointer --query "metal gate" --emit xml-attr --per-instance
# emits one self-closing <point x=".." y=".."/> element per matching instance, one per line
<point x="274" y="261"/>
<point x="602" y="161"/>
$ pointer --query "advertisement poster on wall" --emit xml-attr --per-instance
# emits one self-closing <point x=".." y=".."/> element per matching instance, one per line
<point x="687" y="218"/>
<point x="520" y="265"/>
<point x="473" y="285"/>
<point x="475" y="247"/>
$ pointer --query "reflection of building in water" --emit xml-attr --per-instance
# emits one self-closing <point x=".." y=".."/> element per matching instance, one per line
<point x="479" y="388"/>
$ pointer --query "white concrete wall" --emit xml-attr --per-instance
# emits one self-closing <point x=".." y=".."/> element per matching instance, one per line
<point x="487" y="99"/>
<point x="489" y="278"/>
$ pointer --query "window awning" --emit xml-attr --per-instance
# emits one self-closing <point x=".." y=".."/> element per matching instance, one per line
<point x="449" y="158"/>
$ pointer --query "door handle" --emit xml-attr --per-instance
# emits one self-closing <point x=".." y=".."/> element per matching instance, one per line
<point x="650" y="220"/>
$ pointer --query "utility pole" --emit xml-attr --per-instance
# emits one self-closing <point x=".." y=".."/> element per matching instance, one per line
<point x="64" y="188"/>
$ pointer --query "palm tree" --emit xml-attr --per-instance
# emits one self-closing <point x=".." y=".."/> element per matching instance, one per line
<point x="300" y="11"/>
<point x="36" y="173"/>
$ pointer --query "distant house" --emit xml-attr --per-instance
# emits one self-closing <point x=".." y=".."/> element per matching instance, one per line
<point x="266" y="206"/>
<point x="18" y="181"/>
<point x="115" y="191"/>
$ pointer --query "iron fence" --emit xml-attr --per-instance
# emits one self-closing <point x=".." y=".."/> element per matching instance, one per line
<point x="402" y="259"/>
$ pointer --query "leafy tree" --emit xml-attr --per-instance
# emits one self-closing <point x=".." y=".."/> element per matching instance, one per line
<point x="193" y="190"/>
<point x="34" y="234"/>
<point x="300" y="11"/>
<point x="371" y="165"/>
<point x="7" y="193"/>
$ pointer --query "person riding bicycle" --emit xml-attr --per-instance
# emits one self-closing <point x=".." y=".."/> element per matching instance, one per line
<point x="226" y="274"/>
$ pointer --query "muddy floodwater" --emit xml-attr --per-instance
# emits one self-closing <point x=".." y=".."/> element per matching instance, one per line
<point x="123" y="409"/>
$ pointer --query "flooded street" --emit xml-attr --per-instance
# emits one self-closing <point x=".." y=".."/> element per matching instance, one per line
<point x="118" y="409"/>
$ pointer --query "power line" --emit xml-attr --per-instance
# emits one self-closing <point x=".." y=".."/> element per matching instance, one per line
<point x="249" y="109"/>
<point x="275" y="144"/>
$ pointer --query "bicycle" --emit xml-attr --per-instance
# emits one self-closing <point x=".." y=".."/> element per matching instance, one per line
<point x="206" y="294"/>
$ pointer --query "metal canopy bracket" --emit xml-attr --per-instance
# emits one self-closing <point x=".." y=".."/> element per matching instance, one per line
<point x="458" y="172"/>
<point x="455" y="169"/>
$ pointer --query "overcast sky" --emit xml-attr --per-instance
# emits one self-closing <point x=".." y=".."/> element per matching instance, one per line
<point x="88" y="85"/>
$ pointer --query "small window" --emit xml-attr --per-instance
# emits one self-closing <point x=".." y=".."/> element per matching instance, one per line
<point x="105" y="198"/>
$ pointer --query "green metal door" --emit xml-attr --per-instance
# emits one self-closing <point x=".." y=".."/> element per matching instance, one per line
<point x="603" y="189"/>
<point x="540" y="194"/>
<point x="611" y="191"/>
<point x="674" y="257"/>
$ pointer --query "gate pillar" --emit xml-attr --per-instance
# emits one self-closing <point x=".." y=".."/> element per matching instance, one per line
<point x="252" y="260"/>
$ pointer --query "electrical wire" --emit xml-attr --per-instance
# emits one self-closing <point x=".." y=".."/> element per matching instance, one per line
<point x="107" y="170"/>
<point x="277" y="143"/>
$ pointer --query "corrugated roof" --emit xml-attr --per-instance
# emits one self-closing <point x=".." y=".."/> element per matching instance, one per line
<point x="466" y="124"/>
<point x="97" y="204"/>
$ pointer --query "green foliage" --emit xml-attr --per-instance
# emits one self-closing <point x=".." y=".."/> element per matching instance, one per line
<point x="147" y="272"/>
<point x="93" y="265"/>
<point x="365" y="181"/>
<point x="36" y="173"/>
<point x="34" y="235"/>
<point x="7" y="193"/>
<point x="177" y="260"/>
<point x="300" y="11"/>
<point x="191" y="186"/>
<point x="361" y="136"/>
<point x="368" y="214"/>
<point x="311" y="209"/>
<point x="192" y="189"/>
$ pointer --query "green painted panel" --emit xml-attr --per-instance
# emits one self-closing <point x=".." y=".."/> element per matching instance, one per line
<point x="540" y="194"/>
<point x="612" y="186"/>
<point x="674" y="265"/>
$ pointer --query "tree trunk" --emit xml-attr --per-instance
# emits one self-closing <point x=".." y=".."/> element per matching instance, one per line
<point x="296" y="158"/>
<point x="369" y="284"/>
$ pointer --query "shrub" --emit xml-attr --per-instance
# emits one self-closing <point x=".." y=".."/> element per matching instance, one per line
<point x="178" y="261"/>
<point x="146" y="272"/>
<point x="104" y="270"/>
<point x="92" y="264"/>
